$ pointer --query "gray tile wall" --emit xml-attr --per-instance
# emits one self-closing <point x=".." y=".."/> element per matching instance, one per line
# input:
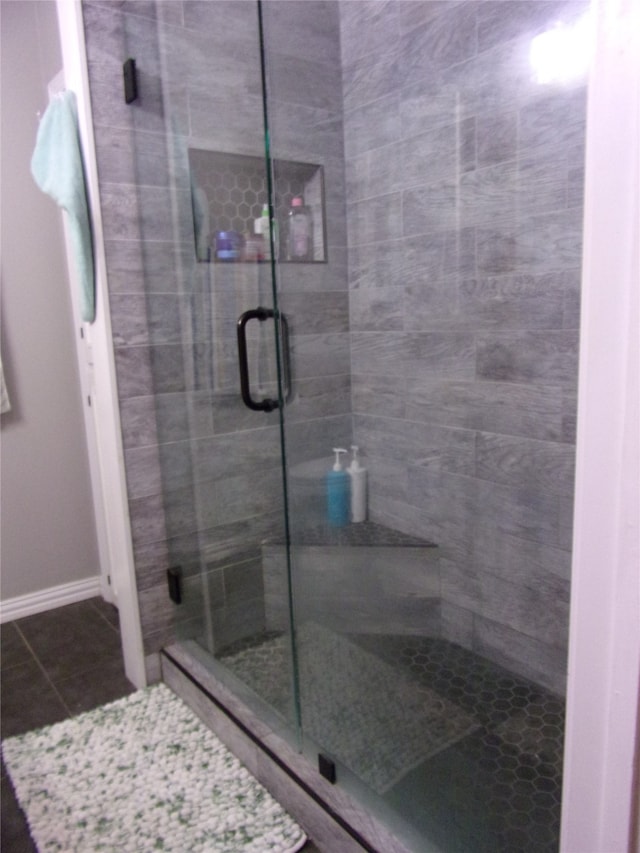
<point x="458" y="255"/>
<point x="203" y="472"/>
<point x="464" y="220"/>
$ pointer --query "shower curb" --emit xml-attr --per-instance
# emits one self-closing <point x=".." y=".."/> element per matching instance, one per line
<point x="335" y="822"/>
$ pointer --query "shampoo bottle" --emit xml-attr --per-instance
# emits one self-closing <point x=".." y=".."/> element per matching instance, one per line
<point x="358" y="476"/>
<point x="338" y="499"/>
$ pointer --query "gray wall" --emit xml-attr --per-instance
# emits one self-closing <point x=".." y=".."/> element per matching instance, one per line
<point x="48" y="533"/>
<point x="464" y="185"/>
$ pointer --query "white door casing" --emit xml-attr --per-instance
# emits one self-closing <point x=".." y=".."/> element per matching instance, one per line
<point x="97" y="369"/>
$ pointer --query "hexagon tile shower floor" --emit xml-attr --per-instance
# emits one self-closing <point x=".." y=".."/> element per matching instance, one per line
<point x="496" y="789"/>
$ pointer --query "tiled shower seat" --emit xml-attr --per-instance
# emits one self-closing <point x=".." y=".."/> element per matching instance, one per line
<point x="365" y="575"/>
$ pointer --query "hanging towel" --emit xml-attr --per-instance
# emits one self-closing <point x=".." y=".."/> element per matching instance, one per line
<point x="57" y="168"/>
<point x="5" y="403"/>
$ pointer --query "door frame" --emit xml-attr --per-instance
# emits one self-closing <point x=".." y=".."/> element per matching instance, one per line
<point x="97" y="368"/>
<point x="601" y="746"/>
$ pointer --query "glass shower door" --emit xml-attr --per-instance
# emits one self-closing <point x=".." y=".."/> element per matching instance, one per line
<point x="433" y="320"/>
<point x="216" y="346"/>
<point x="426" y="186"/>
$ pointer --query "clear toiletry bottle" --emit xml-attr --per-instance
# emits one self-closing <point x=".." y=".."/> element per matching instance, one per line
<point x="266" y="227"/>
<point x="300" y="231"/>
<point x="254" y="244"/>
<point x="358" y="476"/>
<point x="338" y="493"/>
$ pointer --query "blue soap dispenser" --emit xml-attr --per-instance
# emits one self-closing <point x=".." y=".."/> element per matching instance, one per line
<point x="338" y="493"/>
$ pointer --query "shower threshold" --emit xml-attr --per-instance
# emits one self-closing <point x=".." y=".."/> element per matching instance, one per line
<point x="326" y="813"/>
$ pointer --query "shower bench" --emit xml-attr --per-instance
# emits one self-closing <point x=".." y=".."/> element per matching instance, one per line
<point x="367" y="576"/>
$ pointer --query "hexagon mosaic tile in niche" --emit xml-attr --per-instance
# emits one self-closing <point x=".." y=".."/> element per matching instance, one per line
<point x="236" y="189"/>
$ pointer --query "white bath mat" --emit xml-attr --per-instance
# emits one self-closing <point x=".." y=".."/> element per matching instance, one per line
<point x="142" y="774"/>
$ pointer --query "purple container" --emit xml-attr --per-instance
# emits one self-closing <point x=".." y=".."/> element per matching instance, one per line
<point x="228" y="245"/>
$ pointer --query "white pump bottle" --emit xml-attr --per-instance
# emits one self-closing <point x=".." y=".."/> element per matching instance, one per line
<point x="358" y="476"/>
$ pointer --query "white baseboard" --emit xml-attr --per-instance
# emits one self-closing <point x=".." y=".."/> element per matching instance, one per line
<point x="48" y="599"/>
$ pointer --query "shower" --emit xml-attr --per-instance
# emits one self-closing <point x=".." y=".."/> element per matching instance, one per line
<point x="411" y="665"/>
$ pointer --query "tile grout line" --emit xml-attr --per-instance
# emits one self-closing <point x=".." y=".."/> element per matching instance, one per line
<point x="44" y="671"/>
<point x="102" y="616"/>
<point x="4" y="665"/>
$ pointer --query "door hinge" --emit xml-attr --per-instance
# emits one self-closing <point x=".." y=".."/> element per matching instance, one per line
<point x="327" y="768"/>
<point x="174" y="579"/>
<point x="130" y="81"/>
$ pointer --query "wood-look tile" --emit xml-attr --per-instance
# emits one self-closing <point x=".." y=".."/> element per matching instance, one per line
<point x="316" y="313"/>
<point x="534" y="612"/>
<point x="147" y="520"/>
<point x="319" y="396"/>
<point x="144" y="475"/>
<point x="409" y="444"/>
<point x="133" y="370"/>
<point x="377" y="308"/>
<point x="427" y="160"/>
<point x="368" y="28"/>
<point x="373" y="394"/>
<point x="368" y="219"/>
<point x="304" y="81"/>
<point x="427" y="102"/>
<point x="557" y="120"/>
<point x="237" y="125"/>
<point x="430" y="209"/>
<point x="379" y="264"/>
<point x="538" y="357"/>
<point x="305" y="28"/>
<point x="524" y="511"/>
<point x="372" y="125"/>
<point x="534" y="659"/>
<point x="533" y="410"/>
<point x="441" y="40"/>
<point x="368" y="78"/>
<point x="137" y="267"/>
<point x="379" y="353"/>
<point x="505" y="459"/>
<point x="138" y="421"/>
<point x="374" y="173"/>
<point x="320" y="355"/>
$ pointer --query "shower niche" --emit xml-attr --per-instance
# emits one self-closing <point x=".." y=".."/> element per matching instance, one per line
<point x="228" y="195"/>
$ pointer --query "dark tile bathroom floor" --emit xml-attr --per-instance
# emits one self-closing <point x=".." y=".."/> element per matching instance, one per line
<point x="56" y="665"/>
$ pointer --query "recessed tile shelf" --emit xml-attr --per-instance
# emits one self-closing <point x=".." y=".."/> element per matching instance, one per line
<point x="230" y="190"/>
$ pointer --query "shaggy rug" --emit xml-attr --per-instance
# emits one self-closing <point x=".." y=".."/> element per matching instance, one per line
<point x="142" y="774"/>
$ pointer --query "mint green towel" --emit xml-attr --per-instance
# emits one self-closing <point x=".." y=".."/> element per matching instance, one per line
<point x="58" y="170"/>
